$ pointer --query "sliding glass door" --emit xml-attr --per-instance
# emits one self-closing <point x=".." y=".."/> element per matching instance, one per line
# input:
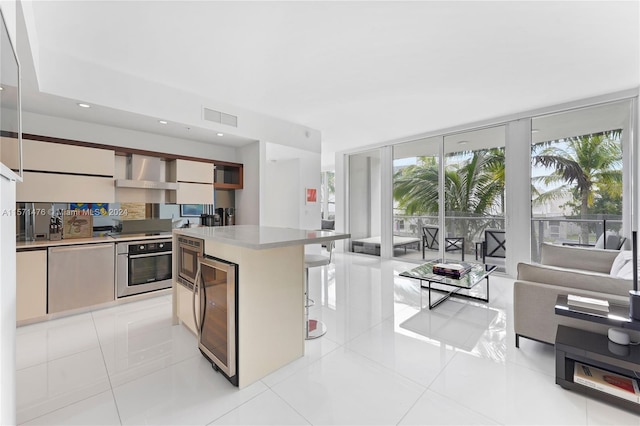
<point x="416" y="183"/>
<point x="474" y="195"/>
<point x="578" y="178"/>
<point x="365" y="202"/>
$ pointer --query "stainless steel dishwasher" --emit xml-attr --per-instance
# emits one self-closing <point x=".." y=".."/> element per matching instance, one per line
<point x="80" y="276"/>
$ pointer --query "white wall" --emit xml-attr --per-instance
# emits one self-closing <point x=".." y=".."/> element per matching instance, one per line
<point x="8" y="271"/>
<point x="7" y="302"/>
<point x="45" y="125"/>
<point x="281" y="195"/>
<point x="288" y="172"/>
<point x="309" y="176"/>
<point x="248" y="199"/>
<point x="8" y="8"/>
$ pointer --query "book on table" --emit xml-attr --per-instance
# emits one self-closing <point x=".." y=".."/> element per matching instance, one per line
<point x="606" y="381"/>
<point x="453" y="270"/>
<point x="588" y="303"/>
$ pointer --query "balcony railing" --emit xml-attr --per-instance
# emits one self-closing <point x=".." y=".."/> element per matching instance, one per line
<point x="560" y="230"/>
<point x="578" y="232"/>
<point x="456" y="225"/>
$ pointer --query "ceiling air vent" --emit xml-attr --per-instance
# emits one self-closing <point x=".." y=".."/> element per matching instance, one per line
<point x="220" y="117"/>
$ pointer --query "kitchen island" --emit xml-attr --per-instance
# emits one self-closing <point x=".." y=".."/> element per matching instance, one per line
<point x="270" y="285"/>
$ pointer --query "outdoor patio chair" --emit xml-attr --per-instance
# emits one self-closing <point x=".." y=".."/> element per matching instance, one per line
<point x="430" y="241"/>
<point x="494" y="244"/>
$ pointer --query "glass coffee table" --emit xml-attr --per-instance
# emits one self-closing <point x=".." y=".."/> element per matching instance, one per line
<point x="451" y="286"/>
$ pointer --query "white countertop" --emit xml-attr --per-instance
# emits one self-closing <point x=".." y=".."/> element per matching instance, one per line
<point x="42" y="244"/>
<point x="261" y="237"/>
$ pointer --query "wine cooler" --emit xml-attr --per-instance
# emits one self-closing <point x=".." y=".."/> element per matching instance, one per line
<point x="216" y="315"/>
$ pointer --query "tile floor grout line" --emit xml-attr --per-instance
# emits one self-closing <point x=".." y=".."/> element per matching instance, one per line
<point x="235" y="408"/>
<point x="291" y="406"/>
<point x="59" y="358"/>
<point x="106" y="369"/>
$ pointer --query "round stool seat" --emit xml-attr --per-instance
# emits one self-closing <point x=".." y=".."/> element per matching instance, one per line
<point x="313" y="260"/>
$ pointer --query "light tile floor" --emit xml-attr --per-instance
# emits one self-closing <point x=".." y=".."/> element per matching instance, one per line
<point x="383" y="361"/>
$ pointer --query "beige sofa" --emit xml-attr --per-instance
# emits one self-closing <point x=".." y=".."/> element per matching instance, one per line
<point x="563" y="270"/>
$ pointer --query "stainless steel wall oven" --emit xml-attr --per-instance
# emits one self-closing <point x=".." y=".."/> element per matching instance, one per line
<point x="216" y="314"/>
<point x="143" y="266"/>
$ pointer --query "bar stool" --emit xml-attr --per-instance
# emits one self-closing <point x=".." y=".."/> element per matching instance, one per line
<point x="314" y="328"/>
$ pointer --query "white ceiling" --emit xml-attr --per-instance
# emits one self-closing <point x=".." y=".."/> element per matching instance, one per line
<point x="360" y="72"/>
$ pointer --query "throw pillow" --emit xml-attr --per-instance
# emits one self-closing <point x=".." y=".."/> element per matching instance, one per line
<point x="620" y="260"/>
<point x="626" y="272"/>
<point x="613" y="240"/>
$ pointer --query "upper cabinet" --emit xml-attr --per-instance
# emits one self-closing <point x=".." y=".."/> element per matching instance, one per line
<point x="228" y="176"/>
<point x="190" y="171"/>
<point x="195" y="182"/>
<point x="66" y="173"/>
<point x="80" y="172"/>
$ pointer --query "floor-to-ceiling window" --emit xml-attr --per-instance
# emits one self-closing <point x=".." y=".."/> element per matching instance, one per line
<point x="578" y="179"/>
<point x="474" y="195"/>
<point x="445" y="188"/>
<point x="365" y="202"/>
<point x="328" y="195"/>
<point x="416" y="183"/>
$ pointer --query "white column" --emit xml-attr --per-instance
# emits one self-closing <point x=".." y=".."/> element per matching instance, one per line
<point x="386" y="205"/>
<point x="518" y="194"/>
<point x="342" y="212"/>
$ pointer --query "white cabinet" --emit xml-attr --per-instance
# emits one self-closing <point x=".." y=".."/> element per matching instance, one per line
<point x="61" y="158"/>
<point x="191" y="193"/>
<point x="66" y="173"/>
<point x="195" y="182"/>
<point x="185" y="307"/>
<point x="56" y="188"/>
<point x="31" y="284"/>
<point x="191" y="171"/>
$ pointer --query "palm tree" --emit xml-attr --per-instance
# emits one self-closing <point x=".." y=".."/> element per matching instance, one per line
<point x="474" y="185"/>
<point x="583" y="166"/>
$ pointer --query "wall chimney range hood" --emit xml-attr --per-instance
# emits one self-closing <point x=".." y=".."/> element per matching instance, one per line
<point x="144" y="172"/>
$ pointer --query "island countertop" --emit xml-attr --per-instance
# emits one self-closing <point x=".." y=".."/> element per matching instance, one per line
<point x="261" y="237"/>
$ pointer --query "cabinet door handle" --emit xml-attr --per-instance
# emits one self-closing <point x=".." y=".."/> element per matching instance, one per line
<point x="196" y="288"/>
<point x="80" y="247"/>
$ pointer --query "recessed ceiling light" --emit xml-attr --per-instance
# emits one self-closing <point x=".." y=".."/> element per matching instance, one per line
<point x="535" y="130"/>
<point x="463" y="142"/>
<point x="1" y="88"/>
<point x="220" y="134"/>
<point x="84" y="105"/>
<point x="162" y="122"/>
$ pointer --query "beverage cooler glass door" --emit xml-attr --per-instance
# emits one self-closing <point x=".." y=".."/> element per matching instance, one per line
<point x="217" y="322"/>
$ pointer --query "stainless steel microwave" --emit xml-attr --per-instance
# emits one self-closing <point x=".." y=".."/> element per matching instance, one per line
<point x="189" y="251"/>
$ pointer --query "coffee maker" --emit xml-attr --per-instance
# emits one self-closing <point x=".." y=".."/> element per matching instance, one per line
<point x="230" y="216"/>
<point x="227" y="215"/>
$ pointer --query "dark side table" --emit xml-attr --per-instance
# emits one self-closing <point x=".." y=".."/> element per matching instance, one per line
<point x="573" y="345"/>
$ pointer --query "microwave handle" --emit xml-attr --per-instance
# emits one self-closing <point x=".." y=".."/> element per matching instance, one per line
<point x="196" y="288"/>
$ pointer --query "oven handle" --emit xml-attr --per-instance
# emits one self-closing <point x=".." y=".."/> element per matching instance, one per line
<point x="159" y="253"/>
<point x="196" y="286"/>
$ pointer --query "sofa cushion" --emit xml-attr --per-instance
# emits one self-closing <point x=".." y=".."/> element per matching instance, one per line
<point x="620" y="261"/>
<point x="574" y="279"/>
<point x="586" y="259"/>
